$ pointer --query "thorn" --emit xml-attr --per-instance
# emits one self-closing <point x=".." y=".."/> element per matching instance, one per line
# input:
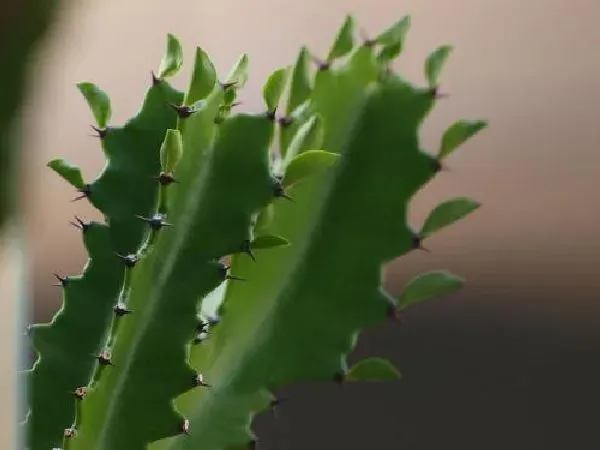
<point x="165" y="179"/>
<point x="417" y="243"/>
<point x="183" y="111"/>
<point x="63" y="281"/>
<point x="199" y="381"/>
<point x="121" y="310"/>
<point x="80" y="392"/>
<point x="247" y="249"/>
<point x="321" y="65"/>
<point x="104" y="358"/>
<point x="69" y="432"/>
<point x="274" y="404"/>
<point x="227" y="85"/>
<point x="100" y="132"/>
<point x="279" y="190"/>
<point x="435" y="92"/>
<point x="271" y="115"/>
<point x="86" y="191"/>
<point x="129" y="260"/>
<point x="80" y="224"/>
<point x="339" y="378"/>
<point x="156" y="222"/>
<point x="285" y="121"/>
<point x="368" y="42"/>
<point x="393" y="313"/>
<point x="185" y="427"/>
<point x="233" y="277"/>
<point x="225" y="276"/>
<point x="155" y="79"/>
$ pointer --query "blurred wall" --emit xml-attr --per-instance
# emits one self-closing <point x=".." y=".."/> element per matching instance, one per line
<point x="532" y="68"/>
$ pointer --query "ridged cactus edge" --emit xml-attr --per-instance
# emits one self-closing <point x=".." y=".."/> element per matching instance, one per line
<point x="239" y="252"/>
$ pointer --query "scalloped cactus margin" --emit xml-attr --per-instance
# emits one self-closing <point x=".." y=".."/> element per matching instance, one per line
<point x="160" y="344"/>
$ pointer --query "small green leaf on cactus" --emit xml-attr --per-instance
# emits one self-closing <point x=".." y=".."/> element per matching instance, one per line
<point x="458" y="133"/>
<point x="373" y="369"/>
<point x="98" y="101"/>
<point x="172" y="59"/>
<point x="447" y="213"/>
<point x="171" y="151"/>
<point x="389" y="52"/>
<point x="274" y="88"/>
<point x="429" y="286"/>
<point x="344" y="42"/>
<point x="239" y="73"/>
<point x="300" y="83"/>
<point x="435" y="63"/>
<point x="203" y="79"/>
<point x="69" y="172"/>
<point x="268" y="241"/>
<point x="308" y="163"/>
<point x="395" y="34"/>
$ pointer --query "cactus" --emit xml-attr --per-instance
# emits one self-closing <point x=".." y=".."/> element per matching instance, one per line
<point x="227" y="268"/>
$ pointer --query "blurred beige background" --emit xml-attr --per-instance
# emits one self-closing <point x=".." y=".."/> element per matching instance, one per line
<point x="531" y="67"/>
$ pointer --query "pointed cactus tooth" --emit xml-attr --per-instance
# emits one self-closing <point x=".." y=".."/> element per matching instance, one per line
<point x="238" y="75"/>
<point x="459" y="133"/>
<point x="171" y="151"/>
<point x="447" y="213"/>
<point x="344" y="41"/>
<point x="69" y="433"/>
<point x="396" y="33"/>
<point x="172" y="59"/>
<point x="99" y="103"/>
<point x="429" y="286"/>
<point x="68" y="172"/>
<point x="373" y="369"/>
<point x="300" y="82"/>
<point x="273" y="90"/>
<point x="204" y="78"/>
<point x="435" y="63"/>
